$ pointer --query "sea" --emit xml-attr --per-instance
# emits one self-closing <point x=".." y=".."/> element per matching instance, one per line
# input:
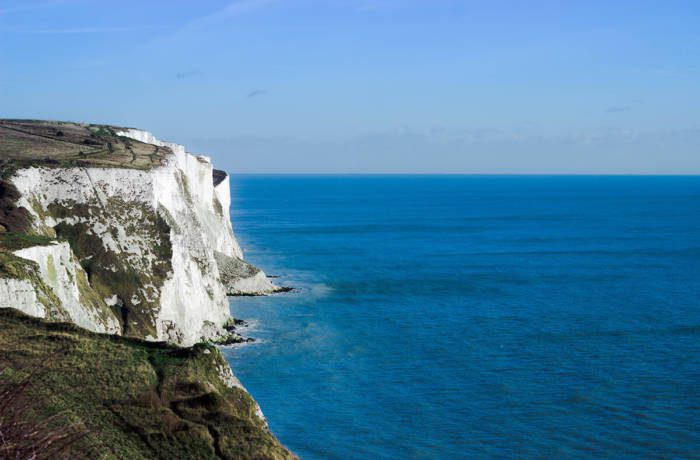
<point x="468" y="316"/>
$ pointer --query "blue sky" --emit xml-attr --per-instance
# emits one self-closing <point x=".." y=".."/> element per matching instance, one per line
<point x="431" y="86"/>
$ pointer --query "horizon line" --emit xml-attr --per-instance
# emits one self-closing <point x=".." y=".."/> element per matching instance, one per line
<point x="465" y="174"/>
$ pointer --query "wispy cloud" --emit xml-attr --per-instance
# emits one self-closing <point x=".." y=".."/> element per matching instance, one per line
<point x="29" y="6"/>
<point x="618" y="109"/>
<point x="229" y="11"/>
<point x="256" y="93"/>
<point x="369" y="6"/>
<point x="187" y="74"/>
<point x="79" y="30"/>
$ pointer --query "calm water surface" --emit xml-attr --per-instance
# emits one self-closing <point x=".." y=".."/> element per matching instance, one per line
<point x="479" y="317"/>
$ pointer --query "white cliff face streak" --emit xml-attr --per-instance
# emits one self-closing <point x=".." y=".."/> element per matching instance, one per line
<point x="157" y="245"/>
<point x="62" y="273"/>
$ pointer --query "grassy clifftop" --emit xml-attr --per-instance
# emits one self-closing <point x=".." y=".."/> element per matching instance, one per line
<point x="54" y="143"/>
<point x="132" y="399"/>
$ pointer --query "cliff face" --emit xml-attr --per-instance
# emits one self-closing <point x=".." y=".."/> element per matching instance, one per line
<point x="143" y="247"/>
<point x="119" y="233"/>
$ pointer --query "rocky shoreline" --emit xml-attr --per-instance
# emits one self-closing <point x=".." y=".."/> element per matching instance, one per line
<point x="116" y="242"/>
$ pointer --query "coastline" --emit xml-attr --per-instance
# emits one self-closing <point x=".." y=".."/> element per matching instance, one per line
<point x="509" y="335"/>
<point x="118" y="243"/>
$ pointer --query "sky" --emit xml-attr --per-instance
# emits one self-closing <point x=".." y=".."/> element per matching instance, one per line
<point x="372" y="86"/>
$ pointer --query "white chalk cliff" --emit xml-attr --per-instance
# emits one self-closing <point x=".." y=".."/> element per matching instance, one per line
<point x="144" y="252"/>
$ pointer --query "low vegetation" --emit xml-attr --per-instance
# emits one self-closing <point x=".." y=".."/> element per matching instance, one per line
<point x="27" y="433"/>
<point x="122" y="398"/>
<point x="13" y="241"/>
<point x="61" y="144"/>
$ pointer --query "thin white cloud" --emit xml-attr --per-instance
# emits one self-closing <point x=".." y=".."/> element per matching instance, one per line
<point x="372" y="6"/>
<point x="618" y="109"/>
<point x="29" y="6"/>
<point x="256" y="93"/>
<point x="188" y="74"/>
<point x="229" y="11"/>
<point x="79" y="30"/>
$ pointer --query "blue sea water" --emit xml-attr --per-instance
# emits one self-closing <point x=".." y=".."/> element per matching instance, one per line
<point x="474" y="316"/>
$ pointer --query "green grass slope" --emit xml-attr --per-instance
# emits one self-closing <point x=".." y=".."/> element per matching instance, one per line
<point x="57" y="143"/>
<point x="135" y="399"/>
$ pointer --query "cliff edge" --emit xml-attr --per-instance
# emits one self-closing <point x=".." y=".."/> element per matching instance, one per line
<point x="110" y="241"/>
<point x="118" y="232"/>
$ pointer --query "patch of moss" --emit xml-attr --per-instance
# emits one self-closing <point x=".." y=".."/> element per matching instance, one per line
<point x="40" y="226"/>
<point x="12" y="241"/>
<point x="163" y="248"/>
<point x="168" y="218"/>
<point x="185" y="185"/>
<point x="101" y="131"/>
<point x="51" y="269"/>
<point x="88" y="296"/>
<point x="108" y="275"/>
<point x="218" y="209"/>
<point x="136" y="282"/>
<point x="15" y="267"/>
<point x="138" y="400"/>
